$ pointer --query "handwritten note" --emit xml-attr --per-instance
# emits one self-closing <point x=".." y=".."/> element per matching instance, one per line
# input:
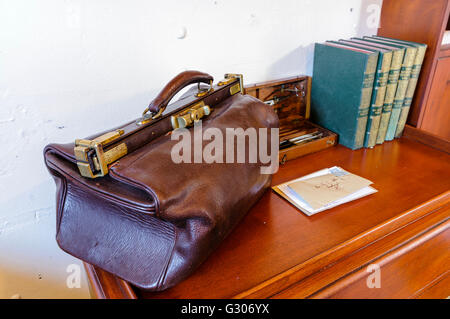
<point x="322" y="190"/>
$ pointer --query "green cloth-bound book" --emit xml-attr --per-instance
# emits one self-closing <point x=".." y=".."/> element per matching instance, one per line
<point x="405" y="72"/>
<point x="341" y="90"/>
<point x="391" y="87"/>
<point x="378" y="92"/>
<point x="414" y="77"/>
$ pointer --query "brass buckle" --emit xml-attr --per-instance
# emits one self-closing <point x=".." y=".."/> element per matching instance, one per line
<point x="148" y="116"/>
<point x="92" y="160"/>
<point x="204" y="92"/>
<point x="188" y="117"/>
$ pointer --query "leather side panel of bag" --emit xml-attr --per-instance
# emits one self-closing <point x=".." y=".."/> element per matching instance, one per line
<point x="106" y="233"/>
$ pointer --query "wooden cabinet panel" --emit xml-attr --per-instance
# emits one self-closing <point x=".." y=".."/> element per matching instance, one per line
<point x="438" y="290"/>
<point x="341" y="278"/>
<point x="436" y="118"/>
<point x="420" y="21"/>
<point x="404" y="273"/>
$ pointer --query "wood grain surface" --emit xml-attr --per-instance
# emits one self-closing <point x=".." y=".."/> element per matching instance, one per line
<point x="276" y="247"/>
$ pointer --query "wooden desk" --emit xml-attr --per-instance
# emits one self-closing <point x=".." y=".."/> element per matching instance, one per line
<point x="278" y="252"/>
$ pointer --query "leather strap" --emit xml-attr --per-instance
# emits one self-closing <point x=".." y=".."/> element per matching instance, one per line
<point x="176" y="85"/>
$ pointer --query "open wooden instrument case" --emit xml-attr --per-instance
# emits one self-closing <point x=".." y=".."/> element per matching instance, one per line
<point x="290" y="98"/>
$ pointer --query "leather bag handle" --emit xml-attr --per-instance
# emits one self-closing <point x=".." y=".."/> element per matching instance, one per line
<point x="160" y="102"/>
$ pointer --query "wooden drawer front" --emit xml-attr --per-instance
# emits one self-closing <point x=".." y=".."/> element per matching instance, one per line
<point x="419" y="269"/>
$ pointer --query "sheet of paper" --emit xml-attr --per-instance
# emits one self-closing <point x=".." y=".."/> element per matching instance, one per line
<point x="303" y="206"/>
<point x="322" y="190"/>
<point x="298" y="202"/>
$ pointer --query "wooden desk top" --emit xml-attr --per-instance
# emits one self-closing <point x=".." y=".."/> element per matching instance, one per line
<point x="276" y="245"/>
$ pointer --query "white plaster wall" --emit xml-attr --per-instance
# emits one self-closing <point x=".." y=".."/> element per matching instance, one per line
<point x="72" y="68"/>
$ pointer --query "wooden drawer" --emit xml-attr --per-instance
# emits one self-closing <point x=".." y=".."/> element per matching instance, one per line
<point x="412" y="262"/>
<point x="406" y="272"/>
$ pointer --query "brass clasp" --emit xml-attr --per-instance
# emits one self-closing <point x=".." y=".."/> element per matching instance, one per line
<point x="188" y="117"/>
<point x="92" y="160"/>
<point x="237" y="88"/>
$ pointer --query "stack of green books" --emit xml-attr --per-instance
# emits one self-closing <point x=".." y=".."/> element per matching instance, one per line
<point x="362" y="88"/>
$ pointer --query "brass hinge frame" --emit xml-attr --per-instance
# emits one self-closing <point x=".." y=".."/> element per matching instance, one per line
<point x="238" y="87"/>
<point x="92" y="159"/>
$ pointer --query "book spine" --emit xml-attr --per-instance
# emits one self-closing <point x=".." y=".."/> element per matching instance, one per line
<point x="366" y="94"/>
<point x="391" y="87"/>
<point x="378" y="93"/>
<point x="410" y="90"/>
<point x="403" y="80"/>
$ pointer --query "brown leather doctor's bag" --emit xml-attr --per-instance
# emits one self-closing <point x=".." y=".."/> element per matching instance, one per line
<point x="123" y="204"/>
